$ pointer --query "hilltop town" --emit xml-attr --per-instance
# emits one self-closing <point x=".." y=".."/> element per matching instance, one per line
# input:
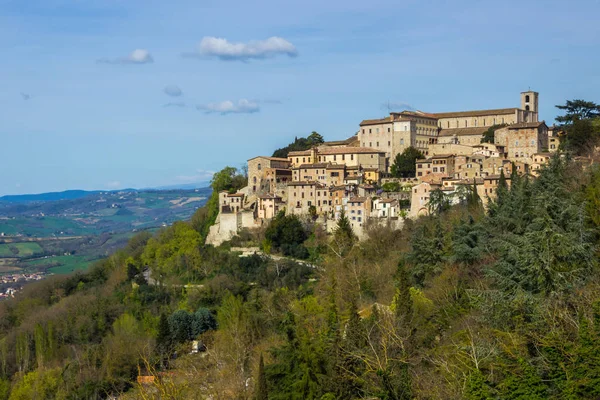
<point x="459" y="149"/>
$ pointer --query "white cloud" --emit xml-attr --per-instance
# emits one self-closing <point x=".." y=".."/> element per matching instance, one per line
<point x="138" y="56"/>
<point x="199" y="176"/>
<point x="229" y="107"/>
<point x="172" y="90"/>
<point x="113" y="184"/>
<point x="256" y="49"/>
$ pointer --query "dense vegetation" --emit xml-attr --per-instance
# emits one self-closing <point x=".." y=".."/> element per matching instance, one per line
<point x="404" y="163"/>
<point x="463" y="304"/>
<point x="299" y="144"/>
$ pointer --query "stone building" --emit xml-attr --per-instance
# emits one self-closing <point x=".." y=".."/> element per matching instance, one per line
<point x="385" y="208"/>
<point x="348" y="156"/>
<point x="419" y="204"/>
<point x="539" y="161"/>
<point x="358" y="209"/>
<point x="326" y="173"/>
<point x="269" y="205"/>
<point x="265" y="172"/>
<point x="304" y="195"/>
<point x="523" y="140"/>
<point x="400" y="130"/>
<point x="230" y="202"/>
<point x="465" y="136"/>
<point x="394" y="133"/>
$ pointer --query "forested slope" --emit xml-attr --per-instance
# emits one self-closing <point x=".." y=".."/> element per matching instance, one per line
<point x="464" y="304"/>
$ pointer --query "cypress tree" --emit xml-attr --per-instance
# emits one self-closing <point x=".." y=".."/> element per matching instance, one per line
<point x="403" y="305"/>
<point x="262" y="392"/>
<point x="164" y="338"/>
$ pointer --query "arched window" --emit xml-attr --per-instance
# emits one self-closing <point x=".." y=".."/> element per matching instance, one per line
<point x="254" y="180"/>
<point x="527" y="99"/>
<point x="259" y="167"/>
<point x="527" y="107"/>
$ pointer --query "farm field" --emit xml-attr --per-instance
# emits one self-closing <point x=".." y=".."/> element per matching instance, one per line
<point x="64" y="236"/>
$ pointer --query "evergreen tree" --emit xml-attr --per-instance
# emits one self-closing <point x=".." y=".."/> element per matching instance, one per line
<point x="164" y="338"/>
<point x="262" y="392"/>
<point x="523" y="383"/>
<point x="402" y="303"/>
<point x="344" y="235"/>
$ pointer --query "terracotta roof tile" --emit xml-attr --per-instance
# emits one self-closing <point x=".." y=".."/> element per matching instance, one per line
<point x="475" y="113"/>
<point x="463" y="131"/>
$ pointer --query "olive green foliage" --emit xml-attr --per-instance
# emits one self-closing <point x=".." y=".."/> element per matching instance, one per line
<point x="229" y="179"/>
<point x="300" y="144"/>
<point x="488" y="136"/>
<point x="463" y="304"/>
<point x="286" y="234"/>
<point x="404" y="163"/>
<point x="581" y="123"/>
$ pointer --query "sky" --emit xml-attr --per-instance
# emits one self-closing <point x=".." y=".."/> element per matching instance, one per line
<point x="109" y="94"/>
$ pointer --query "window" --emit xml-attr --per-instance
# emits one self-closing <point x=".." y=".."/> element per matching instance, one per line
<point x="448" y="124"/>
<point x="259" y="167"/>
<point x="254" y="180"/>
<point x="527" y="107"/>
<point x="363" y="131"/>
<point x="303" y="159"/>
<point x="516" y="143"/>
<point x="527" y="99"/>
<point x="377" y="144"/>
<point x="369" y="130"/>
<point x="465" y="123"/>
<point x="389" y="143"/>
<point x="377" y="130"/>
<point x="533" y="142"/>
<point x="351" y="156"/>
<point x="370" y="144"/>
<point x="401" y="141"/>
<point x="388" y="130"/>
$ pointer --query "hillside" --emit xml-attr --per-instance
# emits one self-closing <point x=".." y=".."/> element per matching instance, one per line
<point x="462" y="304"/>
<point x="62" y="236"/>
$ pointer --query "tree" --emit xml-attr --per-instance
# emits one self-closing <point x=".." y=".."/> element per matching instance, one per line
<point x="343" y="235"/>
<point x="164" y="337"/>
<point x="402" y="303"/>
<point x="488" y="136"/>
<point x="578" y="110"/>
<point x="315" y="138"/>
<point x="262" y="392"/>
<point x="581" y="137"/>
<point x="404" y="163"/>
<point x="438" y="202"/>
<point x="285" y="233"/>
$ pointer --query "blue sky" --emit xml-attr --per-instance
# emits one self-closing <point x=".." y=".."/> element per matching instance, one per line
<point x="85" y="84"/>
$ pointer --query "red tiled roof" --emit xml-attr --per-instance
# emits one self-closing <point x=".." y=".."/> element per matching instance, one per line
<point x="475" y="113"/>
<point x="349" y="150"/>
<point x="375" y="121"/>
<point x="463" y="131"/>
<point x="524" y="125"/>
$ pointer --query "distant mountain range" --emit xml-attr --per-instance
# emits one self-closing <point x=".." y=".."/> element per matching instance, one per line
<point x="78" y="194"/>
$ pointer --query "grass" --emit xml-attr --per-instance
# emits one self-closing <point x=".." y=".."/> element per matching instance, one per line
<point x="61" y="264"/>
<point x="25" y="249"/>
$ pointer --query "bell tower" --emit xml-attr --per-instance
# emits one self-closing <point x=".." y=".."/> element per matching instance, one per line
<point x="529" y="101"/>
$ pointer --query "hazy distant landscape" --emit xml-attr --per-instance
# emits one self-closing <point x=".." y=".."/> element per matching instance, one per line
<point x="63" y="232"/>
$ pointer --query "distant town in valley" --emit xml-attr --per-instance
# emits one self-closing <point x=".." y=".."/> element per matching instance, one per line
<point x="367" y="178"/>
